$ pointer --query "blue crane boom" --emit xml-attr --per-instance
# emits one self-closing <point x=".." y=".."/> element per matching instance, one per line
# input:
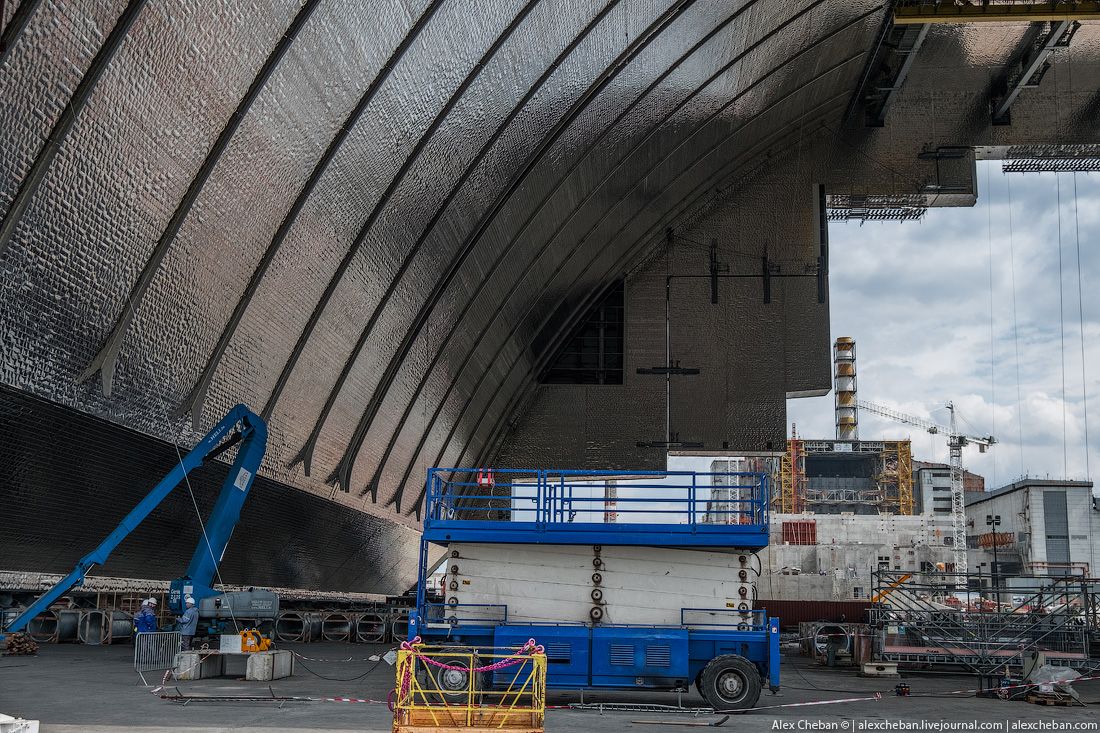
<point x="241" y="426"/>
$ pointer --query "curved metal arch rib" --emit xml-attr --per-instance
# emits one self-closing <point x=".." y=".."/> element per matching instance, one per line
<point x="637" y="252"/>
<point x="305" y="455"/>
<point x="536" y="366"/>
<point x="343" y="471"/>
<point x="195" y="401"/>
<point x="105" y="361"/>
<point x="299" y="347"/>
<point x="395" y="500"/>
<point x="634" y="254"/>
<point x="67" y="118"/>
<point x="654" y="129"/>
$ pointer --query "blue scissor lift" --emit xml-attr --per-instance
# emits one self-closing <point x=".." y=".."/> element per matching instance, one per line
<point x="517" y="541"/>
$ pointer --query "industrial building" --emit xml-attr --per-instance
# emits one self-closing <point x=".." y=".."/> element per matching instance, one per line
<point x="932" y="486"/>
<point x="1043" y="527"/>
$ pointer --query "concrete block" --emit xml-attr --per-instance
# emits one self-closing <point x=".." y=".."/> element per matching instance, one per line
<point x="879" y="669"/>
<point x="272" y="665"/>
<point x="234" y="665"/>
<point x="9" y="724"/>
<point x="198" y="665"/>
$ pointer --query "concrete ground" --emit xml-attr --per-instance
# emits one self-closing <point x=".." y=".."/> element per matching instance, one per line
<point x="76" y="688"/>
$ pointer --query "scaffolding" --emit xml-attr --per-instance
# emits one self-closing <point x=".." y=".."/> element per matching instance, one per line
<point x="988" y="625"/>
<point x="892" y="489"/>
<point x="895" y="476"/>
<point x="792" y="476"/>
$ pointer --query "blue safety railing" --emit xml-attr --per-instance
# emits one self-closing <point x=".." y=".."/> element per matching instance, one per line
<point x="753" y="620"/>
<point x="648" y="507"/>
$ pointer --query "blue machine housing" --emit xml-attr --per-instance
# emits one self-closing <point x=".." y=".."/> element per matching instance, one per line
<point x="666" y="509"/>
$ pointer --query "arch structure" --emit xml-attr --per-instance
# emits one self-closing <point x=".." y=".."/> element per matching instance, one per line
<point x="416" y="233"/>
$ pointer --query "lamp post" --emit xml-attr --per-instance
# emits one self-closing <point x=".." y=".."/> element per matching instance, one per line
<point x="993" y="521"/>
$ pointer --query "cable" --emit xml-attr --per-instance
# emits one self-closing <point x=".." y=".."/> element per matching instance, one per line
<point x="826" y="689"/>
<point x="336" y="679"/>
<point x="992" y="346"/>
<point x="1062" y="330"/>
<point x="1015" y="327"/>
<point x="190" y="491"/>
<point x="1081" y="320"/>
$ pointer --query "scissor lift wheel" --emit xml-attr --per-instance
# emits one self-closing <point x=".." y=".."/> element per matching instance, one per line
<point x="730" y="682"/>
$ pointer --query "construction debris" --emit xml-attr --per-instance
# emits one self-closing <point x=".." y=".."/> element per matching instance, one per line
<point x="20" y="645"/>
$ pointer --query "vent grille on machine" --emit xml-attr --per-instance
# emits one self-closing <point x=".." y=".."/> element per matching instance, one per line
<point x="559" y="652"/>
<point x="658" y="656"/>
<point x="622" y="655"/>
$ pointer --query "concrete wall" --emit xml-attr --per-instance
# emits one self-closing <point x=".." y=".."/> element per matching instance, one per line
<point x="848" y="549"/>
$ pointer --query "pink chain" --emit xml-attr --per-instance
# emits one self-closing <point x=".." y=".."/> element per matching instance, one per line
<point x="529" y="648"/>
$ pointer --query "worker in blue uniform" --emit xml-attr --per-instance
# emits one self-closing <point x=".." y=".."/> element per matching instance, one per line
<point x="146" y="619"/>
<point x="188" y="623"/>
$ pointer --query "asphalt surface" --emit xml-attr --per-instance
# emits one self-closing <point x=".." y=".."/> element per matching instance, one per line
<point x="77" y="688"/>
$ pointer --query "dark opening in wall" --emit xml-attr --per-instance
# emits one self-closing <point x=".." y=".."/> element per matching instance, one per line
<point x="593" y="353"/>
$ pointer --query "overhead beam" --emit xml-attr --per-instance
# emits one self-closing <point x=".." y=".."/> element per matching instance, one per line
<point x="1032" y="68"/>
<point x="907" y="42"/>
<point x="944" y="12"/>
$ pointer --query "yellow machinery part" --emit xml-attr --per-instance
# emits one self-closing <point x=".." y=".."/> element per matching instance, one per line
<point x="253" y="641"/>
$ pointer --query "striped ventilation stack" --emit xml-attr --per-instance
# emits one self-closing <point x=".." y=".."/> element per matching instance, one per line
<point x="844" y="385"/>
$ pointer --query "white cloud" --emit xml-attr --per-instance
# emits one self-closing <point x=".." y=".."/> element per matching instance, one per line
<point x="916" y="298"/>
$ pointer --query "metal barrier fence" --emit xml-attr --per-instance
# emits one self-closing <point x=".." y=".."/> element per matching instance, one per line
<point x="155" y="650"/>
<point x="984" y="623"/>
<point x="466" y="689"/>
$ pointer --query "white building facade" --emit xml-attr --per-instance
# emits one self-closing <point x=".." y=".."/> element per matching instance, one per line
<point x="1047" y="527"/>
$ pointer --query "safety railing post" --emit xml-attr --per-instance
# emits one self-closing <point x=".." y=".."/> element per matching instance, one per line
<point x="539" y="509"/>
<point x="561" y="497"/>
<point x="691" y="502"/>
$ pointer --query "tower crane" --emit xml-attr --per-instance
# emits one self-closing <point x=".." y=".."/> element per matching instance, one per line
<point x="956" y="441"/>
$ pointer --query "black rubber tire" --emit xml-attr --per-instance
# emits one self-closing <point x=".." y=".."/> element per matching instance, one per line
<point x="730" y="682"/>
<point x="444" y="686"/>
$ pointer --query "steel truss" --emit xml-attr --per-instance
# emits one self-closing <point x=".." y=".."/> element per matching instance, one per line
<point x="933" y="619"/>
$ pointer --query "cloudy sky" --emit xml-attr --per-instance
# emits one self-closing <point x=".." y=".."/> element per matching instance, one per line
<point x="929" y="327"/>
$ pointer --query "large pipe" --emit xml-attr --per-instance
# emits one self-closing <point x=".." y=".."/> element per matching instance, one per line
<point x="122" y="627"/>
<point x="299" y="626"/>
<point x="313" y="622"/>
<point x="370" y="628"/>
<point x="43" y="627"/>
<point x="291" y="626"/>
<point x="336" y="627"/>
<point x="399" y="627"/>
<point x="94" y="627"/>
<point x="100" y="626"/>
<point x="68" y="623"/>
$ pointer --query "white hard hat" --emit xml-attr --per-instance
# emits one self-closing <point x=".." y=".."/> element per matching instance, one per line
<point x="152" y="601"/>
<point x="189" y="601"/>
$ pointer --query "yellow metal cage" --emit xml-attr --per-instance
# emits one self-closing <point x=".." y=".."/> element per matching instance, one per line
<point x="443" y="688"/>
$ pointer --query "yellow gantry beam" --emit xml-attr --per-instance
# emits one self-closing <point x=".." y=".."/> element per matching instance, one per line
<point x="975" y="12"/>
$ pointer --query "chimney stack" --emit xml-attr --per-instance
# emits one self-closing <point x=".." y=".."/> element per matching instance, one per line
<point x="844" y="385"/>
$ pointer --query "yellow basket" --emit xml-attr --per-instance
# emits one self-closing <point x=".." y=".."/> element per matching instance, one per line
<point x="427" y="701"/>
